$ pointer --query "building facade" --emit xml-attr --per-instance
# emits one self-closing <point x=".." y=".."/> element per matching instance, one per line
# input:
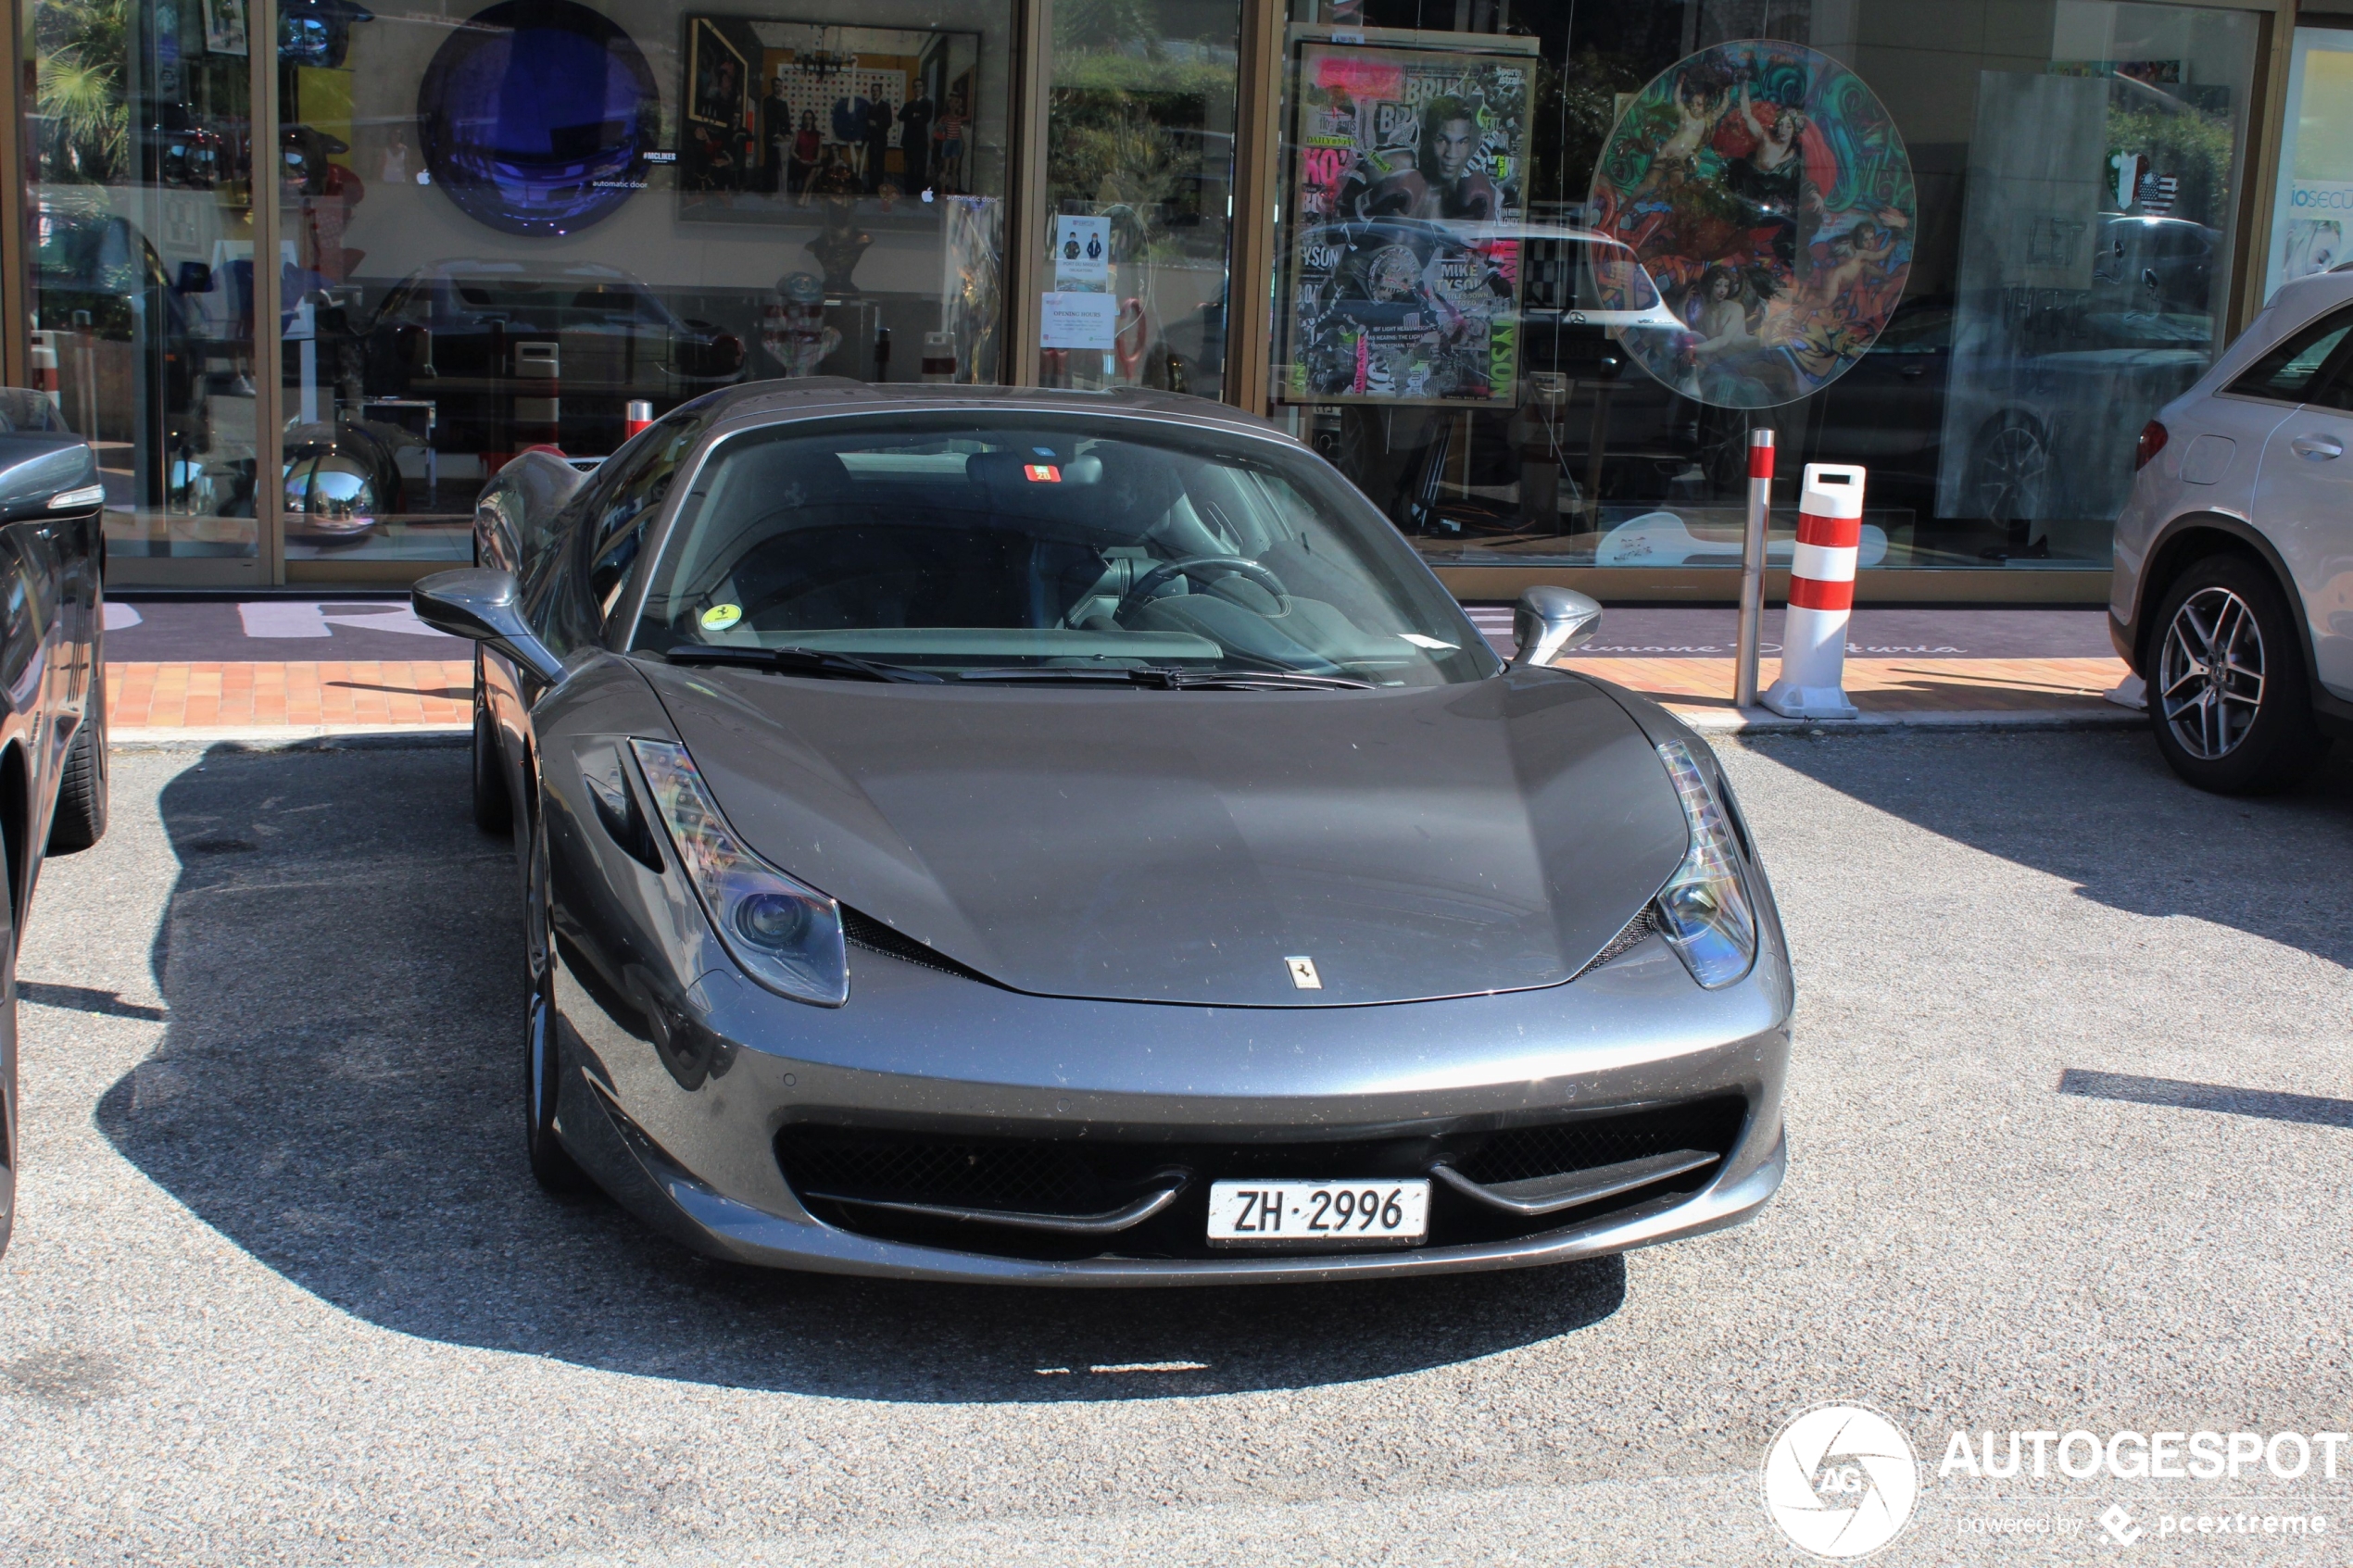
<point x="1529" y="271"/>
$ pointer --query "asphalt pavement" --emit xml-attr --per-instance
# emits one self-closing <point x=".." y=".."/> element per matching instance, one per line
<point x="2070" y="1117"/>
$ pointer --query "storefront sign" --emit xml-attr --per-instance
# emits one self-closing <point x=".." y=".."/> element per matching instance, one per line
<point x="1082" y="253"/>
<point x="1769" y="194"/>
<point x="1402" y="279"/>
<point x="1078" y="321"/>
<point x="2315" y="201"/>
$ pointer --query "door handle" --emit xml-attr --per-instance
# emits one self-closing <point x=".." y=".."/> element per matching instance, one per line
<point x="2320" y="448"/>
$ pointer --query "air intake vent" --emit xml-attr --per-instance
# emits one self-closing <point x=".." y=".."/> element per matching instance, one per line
<point x="1526" y="1153"/>
<point x="866" y="930"/>
<point x="1641" y="925"/>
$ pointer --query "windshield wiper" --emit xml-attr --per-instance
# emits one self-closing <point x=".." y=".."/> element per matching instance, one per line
<point x="1250" y="680"/>
<point x="1165" y="678"/>
<point x="800" y="661"/>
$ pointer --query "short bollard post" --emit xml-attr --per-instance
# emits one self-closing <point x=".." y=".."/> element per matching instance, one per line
<point x="635" y="416"/>
<point x="1822" y="595"/>
<point x="1760" y="508"/>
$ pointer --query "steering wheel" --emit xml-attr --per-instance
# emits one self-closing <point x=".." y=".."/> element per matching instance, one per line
<point x="1203" y="568"/>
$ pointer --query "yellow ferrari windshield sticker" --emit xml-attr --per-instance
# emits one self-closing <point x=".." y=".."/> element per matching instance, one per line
<point x="718" y="617"/>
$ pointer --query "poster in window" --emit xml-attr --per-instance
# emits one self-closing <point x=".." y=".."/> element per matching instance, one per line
<point x="1766" y="189"/>
<point x="2315" y="198"/>
<point x="224" y="26"/>
<point x="1402" y="285"/>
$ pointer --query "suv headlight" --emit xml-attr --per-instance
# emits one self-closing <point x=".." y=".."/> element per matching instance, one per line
<point x="1705" y="910"/>
<point x="786" y="935"/>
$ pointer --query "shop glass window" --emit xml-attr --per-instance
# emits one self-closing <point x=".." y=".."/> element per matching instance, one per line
<point x="138" y="145"/>
<point x="1139" y="159"/>
<point x="505" y="224"/>
<point x="1544" y="267"/>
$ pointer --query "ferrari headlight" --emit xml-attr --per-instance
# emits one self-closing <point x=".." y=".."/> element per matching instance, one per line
<point x="786" y="935"/>
<point x="1703" y="909"/>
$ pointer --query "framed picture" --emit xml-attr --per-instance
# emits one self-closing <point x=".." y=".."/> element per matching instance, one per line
<point x="1408" y="166"/>
<point x="787" y="115"/>
<point x="224" y="26"/>
<point x="716" y="74"/>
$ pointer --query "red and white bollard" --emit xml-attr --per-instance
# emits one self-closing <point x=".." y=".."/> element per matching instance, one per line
<point x="1822" y="595"/>
<point x="637" y="416"/>
<point x="44" y="365"/>
<point x="1751" y="621"/>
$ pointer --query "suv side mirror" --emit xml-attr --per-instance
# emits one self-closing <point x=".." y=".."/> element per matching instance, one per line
<point x="1547" y="622"/>
<point x="484" y="606"/>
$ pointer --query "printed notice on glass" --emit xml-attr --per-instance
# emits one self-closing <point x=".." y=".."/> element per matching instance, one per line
<point x="1082" y="253"/>
<point x="1078" y="321"/>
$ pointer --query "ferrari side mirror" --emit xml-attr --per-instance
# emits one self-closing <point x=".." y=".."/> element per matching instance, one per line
<point x="1547" y="622"/>
<point x="486" y="608"/>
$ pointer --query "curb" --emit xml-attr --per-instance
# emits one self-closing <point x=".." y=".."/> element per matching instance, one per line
<point x="1763" y="722"/>
<point x="291" y="737"/>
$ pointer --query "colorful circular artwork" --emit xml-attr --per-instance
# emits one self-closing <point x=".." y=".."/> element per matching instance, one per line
<point x="1767" y="191"/>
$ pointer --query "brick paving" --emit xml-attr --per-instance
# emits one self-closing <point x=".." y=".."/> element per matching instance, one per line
<point x="1888" y="685"/>
<point x="387" y="694"/>
<point x="416" y="694"/>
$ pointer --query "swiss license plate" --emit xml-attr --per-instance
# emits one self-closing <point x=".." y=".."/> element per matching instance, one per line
<point x="1319" y="1213"/>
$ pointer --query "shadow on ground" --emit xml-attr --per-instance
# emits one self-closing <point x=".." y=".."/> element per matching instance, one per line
<point x="337" y="1092"/>
<point x="2101" y="808"/>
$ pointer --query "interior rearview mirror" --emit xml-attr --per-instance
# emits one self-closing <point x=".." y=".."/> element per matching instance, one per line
<point x="484" y="606"/>
<point x="1547" y="622"/>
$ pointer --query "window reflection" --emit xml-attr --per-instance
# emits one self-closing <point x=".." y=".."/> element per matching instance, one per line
<point x="513" y="226"/>
<point x="2058" y="268"/>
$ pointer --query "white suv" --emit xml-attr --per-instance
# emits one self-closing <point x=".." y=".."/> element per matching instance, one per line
<point x="2232" y="597"/>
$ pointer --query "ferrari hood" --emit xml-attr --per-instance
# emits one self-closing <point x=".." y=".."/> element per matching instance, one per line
<point x="1186" y="846"/>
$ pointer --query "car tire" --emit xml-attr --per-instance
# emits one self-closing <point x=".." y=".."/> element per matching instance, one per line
<point x="79" y="819"/>
<point x="2241" y="723"/>
<point x="494" y="812"/>
<point x="552" y="1164"/>
<point x="2010" y="471"/>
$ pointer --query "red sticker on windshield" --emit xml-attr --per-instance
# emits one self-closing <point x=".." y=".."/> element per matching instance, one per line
<point x="1042" y="474"/>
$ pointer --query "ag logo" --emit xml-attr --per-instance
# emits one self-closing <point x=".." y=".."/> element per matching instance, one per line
<point x="1840" y="1481"/>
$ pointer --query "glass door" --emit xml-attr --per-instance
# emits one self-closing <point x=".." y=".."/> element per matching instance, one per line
<point x="139" y="142"/>
<point x="541" y="223"/>
<point x="1139" y="162"/>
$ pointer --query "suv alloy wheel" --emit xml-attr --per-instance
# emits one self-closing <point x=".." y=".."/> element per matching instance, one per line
<point x="2228" y="698"/>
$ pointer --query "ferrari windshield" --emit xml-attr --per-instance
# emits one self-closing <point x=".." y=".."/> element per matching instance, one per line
<point x="1015" y="544"/>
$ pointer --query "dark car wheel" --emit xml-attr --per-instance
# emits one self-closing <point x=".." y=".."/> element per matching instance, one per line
<point x="2227" y="695"/>
<point x="542" y="1060"/>
<point x="79" y="819"/>
<point x="493" y="811"/>
<point x="2013" y="461"/>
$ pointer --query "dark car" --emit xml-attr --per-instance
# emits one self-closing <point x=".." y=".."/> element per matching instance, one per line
<point x="131" y="347"/>
<point x="1071" y="838"/>
<point x="53" y="688"/>
<point x="510" y="356"/>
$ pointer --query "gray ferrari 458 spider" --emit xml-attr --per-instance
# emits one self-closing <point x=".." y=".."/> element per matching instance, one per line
<point x="1070" y="838"/>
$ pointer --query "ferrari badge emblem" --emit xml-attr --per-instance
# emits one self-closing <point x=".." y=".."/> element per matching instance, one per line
<point x="1303" y="976"/>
